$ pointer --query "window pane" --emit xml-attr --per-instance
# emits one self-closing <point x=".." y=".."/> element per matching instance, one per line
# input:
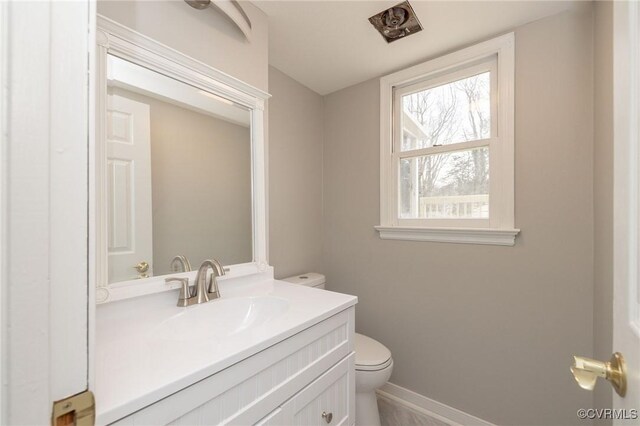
<point x="456" y="112"/>
<point x="453" y="185"/>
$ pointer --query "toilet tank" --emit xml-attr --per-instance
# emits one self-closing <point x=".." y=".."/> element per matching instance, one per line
<point x="310" y="279"/>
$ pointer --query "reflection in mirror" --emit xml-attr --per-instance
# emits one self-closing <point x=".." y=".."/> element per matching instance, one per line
<point x="178" y="175"/>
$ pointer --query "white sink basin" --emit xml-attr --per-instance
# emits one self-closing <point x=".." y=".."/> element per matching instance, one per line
<point x="220" y="318"/>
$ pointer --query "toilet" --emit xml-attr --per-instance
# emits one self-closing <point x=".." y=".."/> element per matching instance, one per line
<point x="373" y="363"/>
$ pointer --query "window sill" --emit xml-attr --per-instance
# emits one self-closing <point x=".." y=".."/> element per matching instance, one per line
<point x="498" y="237"/>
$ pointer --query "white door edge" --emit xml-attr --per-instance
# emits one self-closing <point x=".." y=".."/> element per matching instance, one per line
<point x="626" y="302"/>
<point x="44" y="209"/>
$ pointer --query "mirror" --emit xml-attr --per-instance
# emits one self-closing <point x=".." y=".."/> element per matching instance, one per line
<point x="178" y="175"/>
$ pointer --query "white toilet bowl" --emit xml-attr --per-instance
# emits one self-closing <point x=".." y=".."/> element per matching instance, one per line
<point x="373" y="368"/>
<point x="373" y="363"/>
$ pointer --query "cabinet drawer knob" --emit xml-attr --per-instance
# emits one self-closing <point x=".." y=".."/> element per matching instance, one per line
<point x="327" y="417"/>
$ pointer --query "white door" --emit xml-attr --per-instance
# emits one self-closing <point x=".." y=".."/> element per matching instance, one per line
<point x="626" y="294"/>
<point x="129" y="189"/>
<point x="44" y="111"/>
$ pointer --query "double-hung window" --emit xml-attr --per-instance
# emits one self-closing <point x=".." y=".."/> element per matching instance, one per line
<point x="447" y="148"/>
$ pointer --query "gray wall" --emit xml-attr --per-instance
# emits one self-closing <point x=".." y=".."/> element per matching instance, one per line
<point x="603" y="192"/>
<point x="485" y="329"/>
<point x="201" y="186"/>
<point x="295" y="176"/>
<point x="201" y="175"/>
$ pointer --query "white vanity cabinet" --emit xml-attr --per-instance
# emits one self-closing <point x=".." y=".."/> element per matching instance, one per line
<point x="293" y="382"/>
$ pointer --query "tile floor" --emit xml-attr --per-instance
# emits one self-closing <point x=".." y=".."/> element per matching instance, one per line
<point x="394" y="414"/>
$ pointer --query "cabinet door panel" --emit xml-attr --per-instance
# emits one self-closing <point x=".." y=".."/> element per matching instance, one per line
<point x="328" y="400"/>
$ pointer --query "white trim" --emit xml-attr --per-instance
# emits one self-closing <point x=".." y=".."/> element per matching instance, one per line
<point x="486" y="236"/>
<point x="634" y="134"/>
<point x="626" y="172"/>
<point x="91" y="211"/>
<point x="460" y="146"/>
<point x="115" y="39"/>
<point x="142" y="50"/>
<point x="502" y="181"/>
<point x="626" y="195"/>
<point x="68" y="199"/>
<point x="124" y="74"/>
<point x="429" y="407"/>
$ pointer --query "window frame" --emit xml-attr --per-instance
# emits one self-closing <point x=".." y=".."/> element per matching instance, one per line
<point x="495" y="55"/>
<point x="488" y="64"/>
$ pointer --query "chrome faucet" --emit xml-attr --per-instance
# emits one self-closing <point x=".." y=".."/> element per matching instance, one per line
<point x="180" y="263"/>
<point x="201" y="292"/>
<point x="204" y="292"/>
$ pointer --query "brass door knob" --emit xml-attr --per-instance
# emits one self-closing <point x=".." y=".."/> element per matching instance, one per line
<point x="142" y="267"/>
<point x="586" y="372"/>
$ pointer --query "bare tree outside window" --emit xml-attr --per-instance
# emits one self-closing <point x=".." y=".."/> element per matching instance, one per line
<point x="449" y="184"/>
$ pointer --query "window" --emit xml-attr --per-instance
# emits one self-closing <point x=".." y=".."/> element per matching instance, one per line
<point x="447" y="148"/>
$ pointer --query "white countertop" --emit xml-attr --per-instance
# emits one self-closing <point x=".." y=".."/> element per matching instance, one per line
<point x="134" y="369"/>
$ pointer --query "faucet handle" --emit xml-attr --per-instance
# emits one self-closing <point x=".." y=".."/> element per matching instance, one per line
<point x="185" y="293"/>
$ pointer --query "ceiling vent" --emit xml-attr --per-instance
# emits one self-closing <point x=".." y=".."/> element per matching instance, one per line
<point x="396" y="22"/>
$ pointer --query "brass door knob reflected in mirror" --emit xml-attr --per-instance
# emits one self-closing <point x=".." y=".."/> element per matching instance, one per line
<point x="586" y="372"/>
<point x="142" y="267"/>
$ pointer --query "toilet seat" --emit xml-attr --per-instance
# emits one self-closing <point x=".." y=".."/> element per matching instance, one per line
<point x="371" y="355"/>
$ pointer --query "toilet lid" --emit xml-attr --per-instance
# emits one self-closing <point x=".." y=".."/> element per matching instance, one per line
<point x="371" y="354"/>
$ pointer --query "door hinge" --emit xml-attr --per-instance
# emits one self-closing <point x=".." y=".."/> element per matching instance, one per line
<point x="77" y="410"/>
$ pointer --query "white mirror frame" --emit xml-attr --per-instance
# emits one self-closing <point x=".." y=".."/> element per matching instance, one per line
<point x="115" y="39"/>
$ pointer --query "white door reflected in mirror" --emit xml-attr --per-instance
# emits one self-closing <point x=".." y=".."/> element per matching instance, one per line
<point x="130" y="237"/>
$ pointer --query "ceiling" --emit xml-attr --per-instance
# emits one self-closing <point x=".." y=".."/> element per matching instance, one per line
<point x="329" y="45"/>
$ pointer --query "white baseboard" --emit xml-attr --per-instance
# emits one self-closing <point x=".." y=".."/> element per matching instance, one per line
<point x="429" y="407"/>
